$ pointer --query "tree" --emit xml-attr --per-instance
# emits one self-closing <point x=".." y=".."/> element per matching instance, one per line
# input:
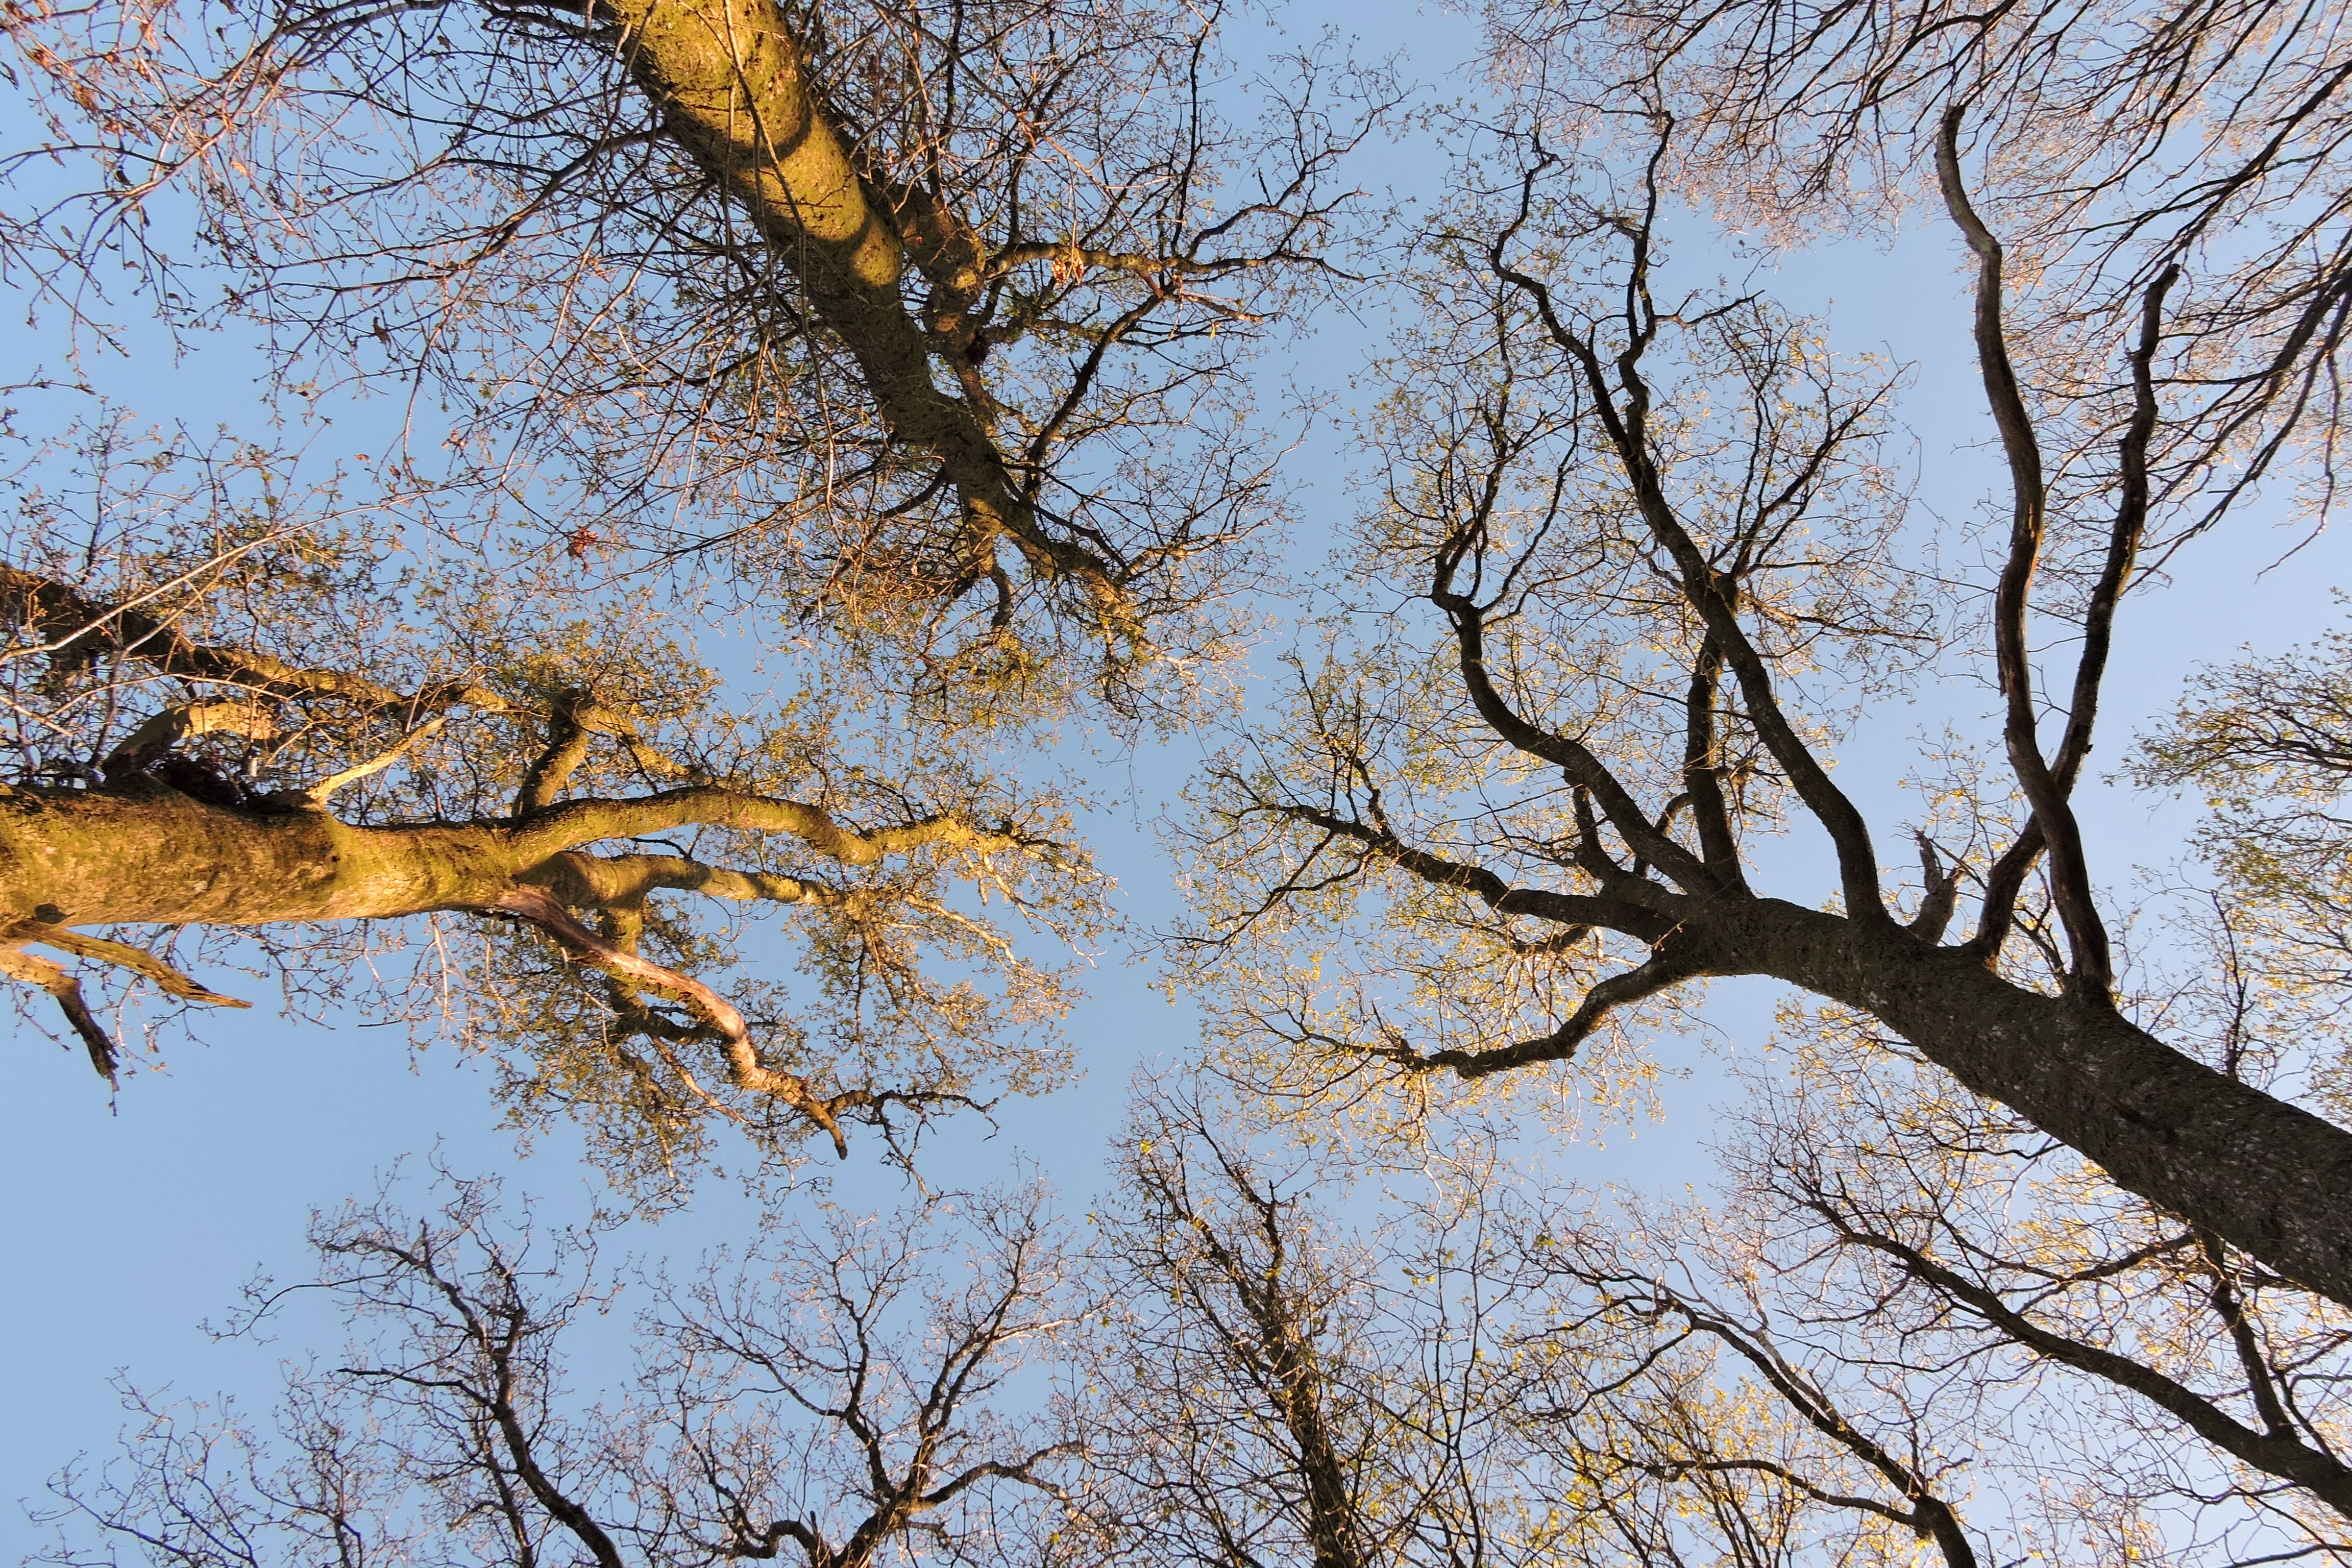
<point x="1691" y="1426"/>
<point x="916" y="321"/>
<point x="832" y="1397"/>
<point x="1237" y="1411"/>
<point x="1914" y="1231"/>
<point x="236" y="708"/>
<point x="1848" y="1371"/>
<point x="898" y="327"/>
<point x="2268" y="743"/>
<point x="1270" y="1383"/>
<point x="1657" y="543"/>
<point x="1907" y="1323"/>
<point x="1478" y="1375"/>
<point x="2056" y="1363"/>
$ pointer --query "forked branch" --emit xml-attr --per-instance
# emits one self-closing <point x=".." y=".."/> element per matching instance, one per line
<point x="20" y="965"/>
<point x="2090" y="972"/>
<point x="719" y="1015"/>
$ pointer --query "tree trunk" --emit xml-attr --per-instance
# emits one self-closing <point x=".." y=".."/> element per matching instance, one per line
<point x="732" y="84"/>
<point x="2271" y="1178"/>
<point x="142" y="852"/>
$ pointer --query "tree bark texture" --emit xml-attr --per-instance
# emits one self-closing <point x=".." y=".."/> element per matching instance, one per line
<point x="140" y="852"/>
<point x="2268" y="1176"/>
<point x="732" y="86"/>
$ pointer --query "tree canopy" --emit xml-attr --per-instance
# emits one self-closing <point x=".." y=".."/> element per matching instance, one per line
<point x="673" y="313"/>
<point x="804" y="419"/>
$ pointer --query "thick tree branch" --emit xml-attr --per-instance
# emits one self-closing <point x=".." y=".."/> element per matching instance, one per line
<point x="1703" y="772"/>
<point x="2090" y="971"/>
<point x="549" y="833"/>
<point x="2007" y="880"/>
<point x="1939" y="893"/>
<point x="566" y="748"/>
<point x="596" y="881"/>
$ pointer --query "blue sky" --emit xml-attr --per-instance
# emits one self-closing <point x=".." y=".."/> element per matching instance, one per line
<point x="125" y="1226"/>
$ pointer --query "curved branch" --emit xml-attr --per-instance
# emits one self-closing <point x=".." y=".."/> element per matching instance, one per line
<point x="744" y="1069"/>
<point x="2092" y="970"/>
<point x="2261" y="1383"/>
<point x="547" y="833"/>
<point x="566" y="748"/>
<point x="1662" y="972"/>
<point x="1571" y="756"/>
<point x="163" y="731"/>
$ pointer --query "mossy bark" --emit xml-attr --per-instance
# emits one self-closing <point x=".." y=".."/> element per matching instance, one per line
<point x="142" y="852"/>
